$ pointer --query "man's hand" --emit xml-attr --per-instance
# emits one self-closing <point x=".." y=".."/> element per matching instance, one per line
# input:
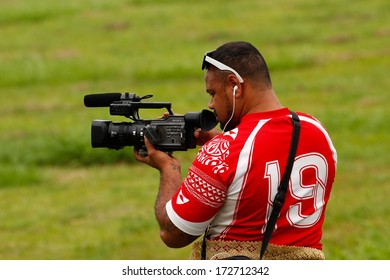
<point x="204" y="136"/>
<point x="155" y="158"/>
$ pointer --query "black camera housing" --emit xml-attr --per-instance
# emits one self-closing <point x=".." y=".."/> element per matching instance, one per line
<point x="170" y="133"/>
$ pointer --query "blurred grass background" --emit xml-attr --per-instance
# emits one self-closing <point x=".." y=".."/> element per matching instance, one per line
<point x="61" y="199"/>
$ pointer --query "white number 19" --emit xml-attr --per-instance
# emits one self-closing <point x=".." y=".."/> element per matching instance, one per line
<point x="301" y="214"/>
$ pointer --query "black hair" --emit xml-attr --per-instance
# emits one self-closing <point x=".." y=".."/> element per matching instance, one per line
<point x="246" y="60"/>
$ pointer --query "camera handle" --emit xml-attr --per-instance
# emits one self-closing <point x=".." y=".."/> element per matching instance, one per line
<point x="153" y="138"/>
<point x="151" y="135"/>
<point x="130" y="109"/>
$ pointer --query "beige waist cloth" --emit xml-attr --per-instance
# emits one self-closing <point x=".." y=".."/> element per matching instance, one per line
<point x="217" y="249"/>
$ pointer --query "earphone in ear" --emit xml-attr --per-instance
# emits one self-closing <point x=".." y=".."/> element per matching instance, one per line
<point x="234" y="107"/>
<point x="234" y="90"/>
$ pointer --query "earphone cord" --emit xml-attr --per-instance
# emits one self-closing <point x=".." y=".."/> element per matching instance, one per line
<point x="234" y="106"/>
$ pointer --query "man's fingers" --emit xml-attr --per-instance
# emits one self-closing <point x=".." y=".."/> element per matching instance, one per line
<point x="149" y="146"/>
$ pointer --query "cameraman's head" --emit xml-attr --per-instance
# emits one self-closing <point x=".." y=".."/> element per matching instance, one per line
<point x="237" y="79"/>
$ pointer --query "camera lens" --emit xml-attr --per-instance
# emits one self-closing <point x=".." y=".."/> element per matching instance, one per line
<point x="116" y="135"/>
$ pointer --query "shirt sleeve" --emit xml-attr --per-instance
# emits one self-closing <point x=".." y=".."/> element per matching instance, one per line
<point x="203" y="191"/>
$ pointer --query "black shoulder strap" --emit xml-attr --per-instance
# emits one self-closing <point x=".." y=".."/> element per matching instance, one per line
<point x="281" y="194"/>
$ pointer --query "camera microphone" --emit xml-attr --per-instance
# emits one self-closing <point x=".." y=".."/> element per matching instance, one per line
<point x="101" y="99"/>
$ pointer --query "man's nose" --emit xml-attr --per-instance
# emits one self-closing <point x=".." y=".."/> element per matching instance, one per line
<point x="211" y="104"/>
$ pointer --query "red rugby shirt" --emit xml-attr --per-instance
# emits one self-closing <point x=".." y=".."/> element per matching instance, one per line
<point x="234" y="178"/>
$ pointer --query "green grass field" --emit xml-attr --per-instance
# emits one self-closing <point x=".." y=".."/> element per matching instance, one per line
<point x="61" y="199"/>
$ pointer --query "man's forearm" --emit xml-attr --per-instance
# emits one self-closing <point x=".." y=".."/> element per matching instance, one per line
<point x="170" y="181"/>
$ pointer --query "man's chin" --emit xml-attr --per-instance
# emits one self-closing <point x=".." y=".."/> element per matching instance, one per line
<point x="225" y="128"/>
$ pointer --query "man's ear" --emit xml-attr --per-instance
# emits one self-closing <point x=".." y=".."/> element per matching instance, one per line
<point x="235" y="84"/>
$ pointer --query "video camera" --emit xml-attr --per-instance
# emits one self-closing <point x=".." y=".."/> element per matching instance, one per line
<point x="168" y="134"/>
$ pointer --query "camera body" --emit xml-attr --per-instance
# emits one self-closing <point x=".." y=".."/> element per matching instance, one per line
<point x="170" y="133"/>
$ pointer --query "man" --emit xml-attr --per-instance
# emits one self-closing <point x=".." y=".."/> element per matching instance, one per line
<point x="229" y="190"/>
